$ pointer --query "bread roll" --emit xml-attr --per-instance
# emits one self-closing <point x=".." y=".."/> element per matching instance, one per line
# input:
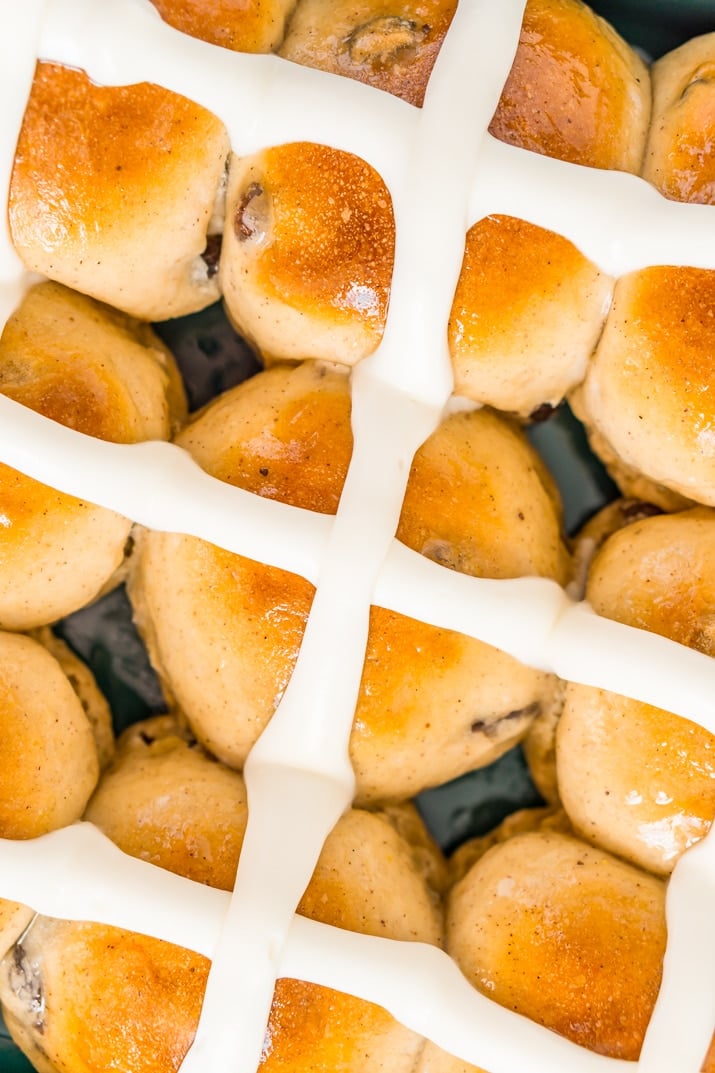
<point x="647" y="400"/>
<point x="527" y="313"/>
<point x="113" y="192"/>
<point x="50" y="763"/>
<point x="307" y="253"/>
<point x="163" y="800"/>
<point x="158" y="801"/>
<point x="390" y="46"/>
<point x="679" y="158"/>
<point x="565" y="935"/>
<point x="224" y="631"/>
<point x="576" y="90"/>
<point x="529" y="308"/>
<point x="97" y="371"/>
<point x="635" y="779"/>
<point x="56" y="733"/>
<point x="649" y="395"/>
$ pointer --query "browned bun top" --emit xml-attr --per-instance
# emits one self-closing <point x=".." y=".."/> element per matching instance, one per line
<point x="650" y="388"/>
<point x="390" y="46"/>
<point x="576" y="91"/>
<point x="112" y="191"/>
<point x="633" y="778"/>
<point x="307" y="252"/>
<point x="165" y="801"/>
<point x="680" y="159"/>
<point x="669" y="561"/>
<point x="242" y="25"/>
<point x="565" y="935"/>
<point x="526" y="316"/>
<point x="102" y="373"/>
<point x="49" y="757"/>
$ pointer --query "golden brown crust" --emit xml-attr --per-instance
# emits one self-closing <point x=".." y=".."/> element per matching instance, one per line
<point x="566" y="935"/>
<point x="633" y="778"/>
<point x="679" y="158"/>
<point x="476" y="502"/>
<point x="392" y="47"/>
<point x="165" y="801"/>
<point x="576" y="91"/>
<point x="241" y="25"/>
<point x="307" y="252"/>
<point x="105" y="375"/>
<point x="526" y="316"/>
<point x="112" y="191"/>
<point x="49" y="758"/>
<point x="650" y="388"/>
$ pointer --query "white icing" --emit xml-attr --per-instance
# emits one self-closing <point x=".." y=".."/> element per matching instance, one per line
<point x="299" y="778"/>
<point x="687" y="994"/>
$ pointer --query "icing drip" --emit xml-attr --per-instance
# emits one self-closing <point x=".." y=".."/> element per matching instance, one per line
<point x="689" y="957"/>
<point x="398" y="394"/>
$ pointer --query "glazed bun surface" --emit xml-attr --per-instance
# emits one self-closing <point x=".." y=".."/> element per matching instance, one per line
<point x="576" y="90"/>
<point x="113" y="190"/>
<point x="392" y="47"/>
<point x="236" y="24"/>
<point x="650" y="389"/>
<point x="564" y="934"/>
<point x="147" y="802"/>
<point x="307" y="253"/>
<point x="527" y="313"/>
<point x="679" y="158"/>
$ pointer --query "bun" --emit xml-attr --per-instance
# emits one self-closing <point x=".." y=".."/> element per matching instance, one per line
<point x="50" y="763"/>
<point x="122" y="217"/>
<point x="370" y="42"/>
<point x="649" y="388"/>
<point x="566" y="935"/>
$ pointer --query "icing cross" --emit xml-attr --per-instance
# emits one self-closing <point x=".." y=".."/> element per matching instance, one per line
<point x="615" y="219"/>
